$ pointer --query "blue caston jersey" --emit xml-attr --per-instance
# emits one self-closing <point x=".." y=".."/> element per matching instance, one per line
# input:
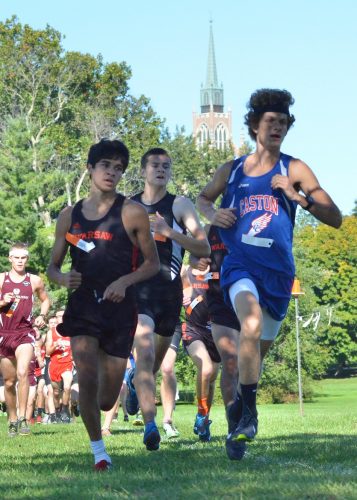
<point x="262" y="235"/>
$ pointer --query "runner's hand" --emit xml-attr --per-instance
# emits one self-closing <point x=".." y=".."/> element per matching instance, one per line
<point x="8" y="297"/>
<point x="282" y="182"/>
<point x="72" y="279"/>
<point x="115" y="292"/>
<point x="39" y="321"/>
<point x="160" y="226"/>
<point x="186" y="300"/>
<point x="224" y="218"/>
<point x="203" y="264"/>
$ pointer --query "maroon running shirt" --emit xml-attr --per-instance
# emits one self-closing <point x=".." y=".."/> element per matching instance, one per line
<point x="17" y="316"/>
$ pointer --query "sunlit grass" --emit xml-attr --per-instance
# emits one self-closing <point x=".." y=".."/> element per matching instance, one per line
<point x="314" y="456"/>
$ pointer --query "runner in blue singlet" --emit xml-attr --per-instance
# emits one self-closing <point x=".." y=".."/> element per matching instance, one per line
<point x="256" y="220"/>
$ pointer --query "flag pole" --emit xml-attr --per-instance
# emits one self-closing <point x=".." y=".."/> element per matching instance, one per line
<point x="296" y="292"/>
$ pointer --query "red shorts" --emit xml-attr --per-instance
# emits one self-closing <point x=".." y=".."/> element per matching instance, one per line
<point x="56" y="369"/>
<point x="9" y="342"/>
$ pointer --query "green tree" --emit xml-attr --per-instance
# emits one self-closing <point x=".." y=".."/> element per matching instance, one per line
<point x="193" y="167"/>
<point x="354" y="210"/>
<point x="326" y="263"/>
<point x="328" y="260"/>
<point x="54" y="104"/>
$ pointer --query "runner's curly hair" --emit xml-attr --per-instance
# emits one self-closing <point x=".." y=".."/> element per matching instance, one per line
<point x="263" y="100"/>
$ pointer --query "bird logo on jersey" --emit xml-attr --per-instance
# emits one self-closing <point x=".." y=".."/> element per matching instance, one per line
<point x="259" y="224"/>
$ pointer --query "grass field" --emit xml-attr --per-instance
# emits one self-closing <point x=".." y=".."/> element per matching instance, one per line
<point x="310" y="457"/>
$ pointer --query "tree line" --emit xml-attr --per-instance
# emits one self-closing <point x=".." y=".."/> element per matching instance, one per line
<point x="54" y="104"/>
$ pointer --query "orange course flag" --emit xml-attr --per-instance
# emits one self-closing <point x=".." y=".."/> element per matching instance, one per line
<point x="296" y="290"/>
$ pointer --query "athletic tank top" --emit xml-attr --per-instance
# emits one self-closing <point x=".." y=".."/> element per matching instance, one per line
<point x="17" y="316"/>
<point x="197" y="311"/>
<point x="63" y="354"/>
<point x="170" y="253"/>
<point x="112" y="254"/>
<point x="218" y="252"/>
<point x="263" y="233"/>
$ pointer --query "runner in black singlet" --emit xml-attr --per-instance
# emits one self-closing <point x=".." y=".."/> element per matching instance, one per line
<point x="159" y="299"/>
<point x="198" y="341"/>
<point x="105" y="232"/>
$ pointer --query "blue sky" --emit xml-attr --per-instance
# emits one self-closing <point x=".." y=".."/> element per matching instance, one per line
<point x="308" y="47"/>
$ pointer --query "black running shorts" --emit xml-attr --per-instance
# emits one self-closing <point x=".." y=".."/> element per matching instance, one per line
<point x="176" y="339"/>
<point x="46" y="374"/>
<point x="113" y="324"/>
<point x="191" y="333"/>
<point x="219" y="312"/>
<point x="164" y="312"/>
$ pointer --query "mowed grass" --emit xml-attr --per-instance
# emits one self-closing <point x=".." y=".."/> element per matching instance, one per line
<point x="310" y="457"/>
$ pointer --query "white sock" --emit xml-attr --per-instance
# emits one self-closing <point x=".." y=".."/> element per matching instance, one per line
<point x="98" y="450"/>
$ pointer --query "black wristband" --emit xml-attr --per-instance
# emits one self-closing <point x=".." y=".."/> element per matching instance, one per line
<point x="310" y="202"/>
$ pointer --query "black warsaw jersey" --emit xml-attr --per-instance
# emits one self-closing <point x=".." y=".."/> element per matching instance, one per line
<point x="197" y="311"/>
<point x="218" y="252"/>
<point x="107" y="252"/>
<point x="170" y="253"/>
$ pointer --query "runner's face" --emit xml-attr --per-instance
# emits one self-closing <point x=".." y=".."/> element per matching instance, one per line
<point x="52" y="322"/>
<point x="59" y="317"/>
<point x="157" y="171"/>
<point x="272" y="129"/>
<point x="18" y="260"/>
<point x="106" y="174"/>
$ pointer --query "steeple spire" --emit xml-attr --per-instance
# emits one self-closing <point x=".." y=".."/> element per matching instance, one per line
<point x="211" y="78"/>
<point x="213" y="126"/>
<point x="211" y="93"/>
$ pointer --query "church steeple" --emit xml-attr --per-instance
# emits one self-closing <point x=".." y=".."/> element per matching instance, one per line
<point x="211" y="93"/>
<point x="212" y="126"/>
<point x="211" y="78"/>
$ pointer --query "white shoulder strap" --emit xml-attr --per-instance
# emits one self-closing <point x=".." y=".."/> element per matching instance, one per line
<point x="234" y="172"/>
<point x="283" y="169"/>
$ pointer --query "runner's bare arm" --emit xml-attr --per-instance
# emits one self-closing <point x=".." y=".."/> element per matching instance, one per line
<point x="38" y="287"/>
<point x="39" y="359"/>
<point x="201" y="264"/>
<point x="221" y="217"/>
<point x="301" y="177"/>
<point x="196" y="242"/>
<point x="72" y="279"/>
<point x="186" y="286"/>
<point x="7" y="297"/>
<point x="137" y="225"/>
<point x="49" y="344"/>
<point x="184" y="275"/>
